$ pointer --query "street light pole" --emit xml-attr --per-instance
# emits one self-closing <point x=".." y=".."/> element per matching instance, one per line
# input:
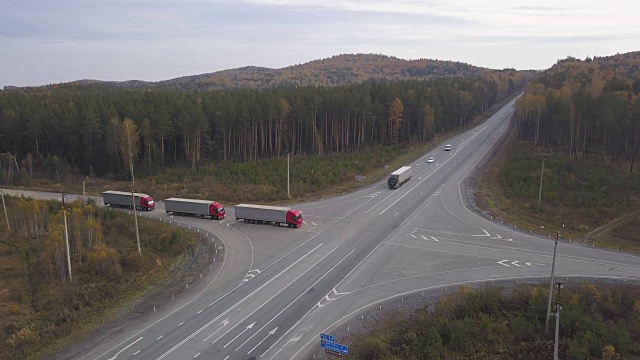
<point x="66" y="236"/>
<point x="541" y="176"/>
<point x="553" y="267"/>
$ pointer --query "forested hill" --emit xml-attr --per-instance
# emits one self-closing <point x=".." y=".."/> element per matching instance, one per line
<point x="586" y="108"/>
<point x="52" y="133"/>
<point x="337" y="70"/>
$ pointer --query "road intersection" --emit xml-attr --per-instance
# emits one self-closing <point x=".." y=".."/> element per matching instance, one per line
<point x="279" y="288"/>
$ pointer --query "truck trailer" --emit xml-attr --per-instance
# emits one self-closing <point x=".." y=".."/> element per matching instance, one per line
<point x="399" y="177"/>
<point x="193" y="207"/>
<point x="258" y="214"/>
<point x="124" y="199"/>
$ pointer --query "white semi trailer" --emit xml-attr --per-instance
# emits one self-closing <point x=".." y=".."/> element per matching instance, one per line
<point x="399" y="177"/>
<point x="276" y="215"/>
<point x="194" y="207"/>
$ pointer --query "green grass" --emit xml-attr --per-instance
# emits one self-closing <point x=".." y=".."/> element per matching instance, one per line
<point x="581" y="195"/>
<point x="597" y="322"/>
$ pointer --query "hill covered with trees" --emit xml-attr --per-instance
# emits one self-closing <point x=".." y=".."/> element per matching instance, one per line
<point x="583" y="118"/>
<point x="56" y="132"/>
<point x="339" y="70"/>
<point x="585" y="109"/>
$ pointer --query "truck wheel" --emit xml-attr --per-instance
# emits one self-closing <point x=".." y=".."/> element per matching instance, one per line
<point x="201" y="216"/>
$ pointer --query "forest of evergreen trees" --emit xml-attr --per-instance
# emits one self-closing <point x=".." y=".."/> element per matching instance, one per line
<point x="52" y="132"/>
<point x="585" y="109"/>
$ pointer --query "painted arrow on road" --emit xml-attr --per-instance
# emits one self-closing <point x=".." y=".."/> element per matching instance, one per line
<point x="265" y="338"/>
<point x="516" y="263"/>
<point x="250" y="275"/>
<point x="224" y="323"/>
<point x="242" y="332"/>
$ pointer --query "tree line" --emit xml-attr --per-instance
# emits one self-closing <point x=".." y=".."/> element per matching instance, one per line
<point x="47" y="132"/>
<point x="585" y="109"/>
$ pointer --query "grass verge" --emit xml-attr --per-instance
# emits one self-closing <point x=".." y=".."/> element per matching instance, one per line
<point x="578" y="197"/>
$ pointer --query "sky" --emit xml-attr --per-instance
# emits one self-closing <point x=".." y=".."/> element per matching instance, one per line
<point x="45" y="41"/>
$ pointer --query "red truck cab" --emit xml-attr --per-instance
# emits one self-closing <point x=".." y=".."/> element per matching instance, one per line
<point x="294" y="218"/>
<point x="147" y="203"/>
<point x="216" y="210"/>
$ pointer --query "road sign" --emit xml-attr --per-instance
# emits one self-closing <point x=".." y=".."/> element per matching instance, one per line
<point x="333" y="353"/>
<point x="326" y="337"/>
<point x="360" y="178"/>
<point x="334" y="346"/>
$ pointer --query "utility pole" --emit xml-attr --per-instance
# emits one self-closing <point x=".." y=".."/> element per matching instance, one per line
<point x="288" y="191"/>
<point x="557" y="341"/>
<point x="6" y="216"/>
<point x="84" y="194"/>
<point x="66" y="235"/>
<point x="135" y="214"/>
<point x="541" y="176"/>
<point x="553" y="267"/>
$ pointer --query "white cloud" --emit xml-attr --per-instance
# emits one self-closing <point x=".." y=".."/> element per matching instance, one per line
<point x="160" y="39"/>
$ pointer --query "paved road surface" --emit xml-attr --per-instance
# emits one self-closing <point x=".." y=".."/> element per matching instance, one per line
<point x="279" y="288"/>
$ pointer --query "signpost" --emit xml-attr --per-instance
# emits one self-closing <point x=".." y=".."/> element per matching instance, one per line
<point x="333" y="353"/>
<point x="360" y="178"/>
<point x="329" y="343"/>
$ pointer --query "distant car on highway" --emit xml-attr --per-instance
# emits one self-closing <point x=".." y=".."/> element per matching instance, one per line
<point x="447" y="147"/>
<point x="431" y="159"/>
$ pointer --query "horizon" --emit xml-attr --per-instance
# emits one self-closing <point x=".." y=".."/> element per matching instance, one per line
<point x="268" y="68"/>
<point x="47" y="43"/>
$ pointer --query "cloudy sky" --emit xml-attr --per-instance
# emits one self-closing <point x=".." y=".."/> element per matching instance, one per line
<point x="45" y="41"/>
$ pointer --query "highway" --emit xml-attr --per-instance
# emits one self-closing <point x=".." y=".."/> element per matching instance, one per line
<point x="279" y="288"/>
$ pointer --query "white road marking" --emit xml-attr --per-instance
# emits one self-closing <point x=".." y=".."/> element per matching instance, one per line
<point x="435" y="239"/>
<point x="224" y="323"/>
<point x="292" y="340"/>
<point x="258" y="289"/>
<point x="502" y="261"/>
<point x="296" y="299"/>
<point x="242" y="332"/>
<point x="198" y="354"/>
<point x="161" y="336"/>
<point x="125" y="348"/>
<point x="181" y="324"/>
<point x="265" y="338"/>
<point x="485" y="233"/>
<point x="199" y="312"/>
<point x="136" y="353"/>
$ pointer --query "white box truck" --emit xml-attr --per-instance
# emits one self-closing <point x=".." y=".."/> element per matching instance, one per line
<point x="399" y="177"/>
<point x="123" y="199"/>
<point x="258" y="214"/>
<point x="194" y="207"/>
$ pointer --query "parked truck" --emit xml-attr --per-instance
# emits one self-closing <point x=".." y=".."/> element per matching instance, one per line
<point x="124" y="199"/>
<point x="258" y="214"/>
<point x="193" y="207"/>
<point x="399" y="177"/>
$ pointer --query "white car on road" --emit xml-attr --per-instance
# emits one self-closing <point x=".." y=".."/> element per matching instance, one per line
<point x="431" y="159"/>
<point x="447" y="147"/>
